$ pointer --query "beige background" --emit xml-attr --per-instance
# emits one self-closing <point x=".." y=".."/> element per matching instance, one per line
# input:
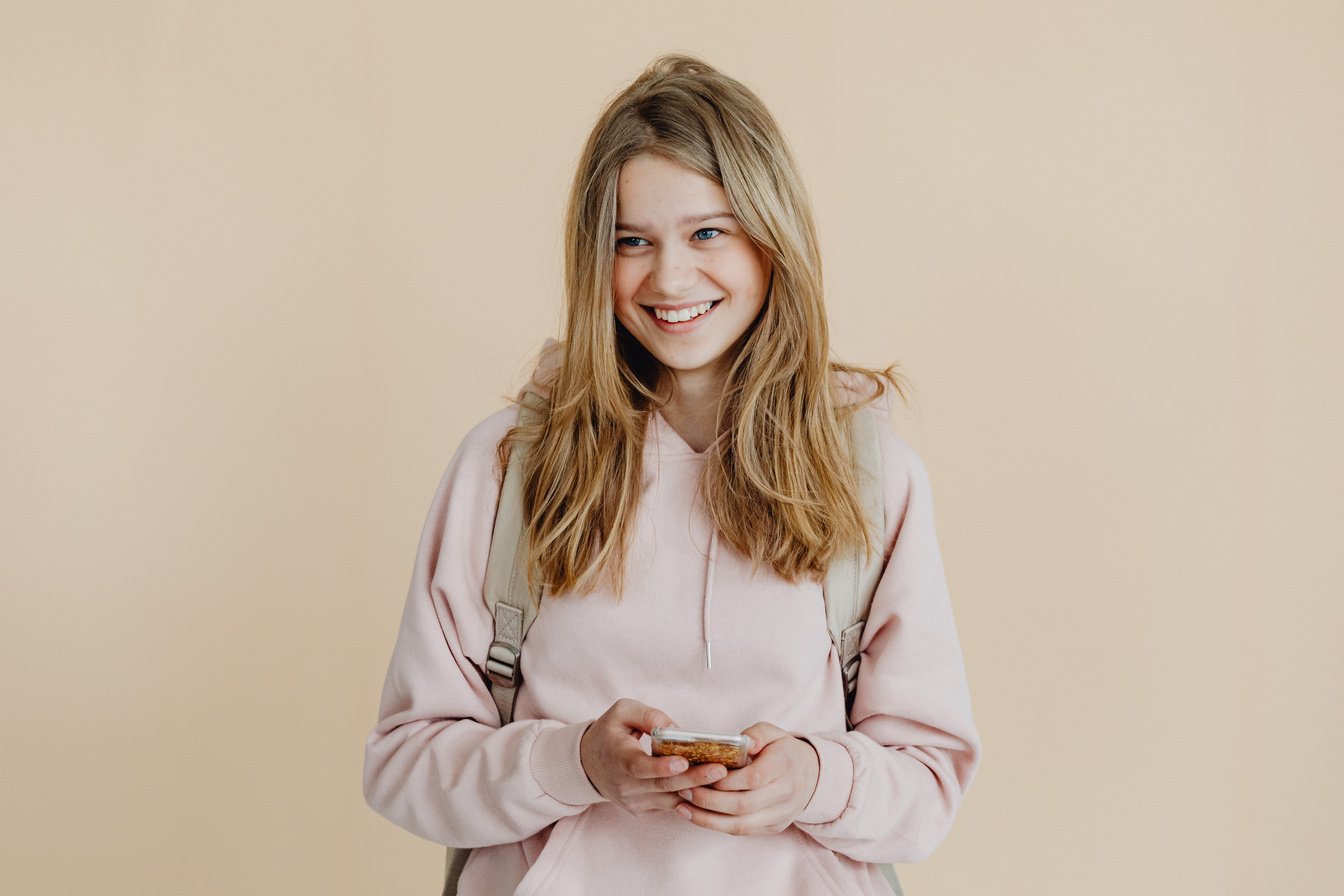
<point x="263" y="264"/>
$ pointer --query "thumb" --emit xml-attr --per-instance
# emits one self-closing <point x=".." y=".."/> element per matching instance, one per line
<point x="763" y="734"/>
<point x="640" y="717"/>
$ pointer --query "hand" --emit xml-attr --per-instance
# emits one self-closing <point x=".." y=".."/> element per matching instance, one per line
<point x="763" y="797"/>
<point x="622" y="772"/>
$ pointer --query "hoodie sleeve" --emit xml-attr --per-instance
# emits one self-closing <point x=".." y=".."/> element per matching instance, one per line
<point x="889" y="789"/>
<point x="438" y="763"/>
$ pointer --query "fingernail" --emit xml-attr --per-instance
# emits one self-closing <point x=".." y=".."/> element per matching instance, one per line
<point x="679" y="765"/>
<point x="684" y="812"/>
<point x="684" y="794"/>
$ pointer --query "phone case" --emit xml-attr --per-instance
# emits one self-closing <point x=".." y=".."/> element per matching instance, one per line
<point x="733" y="750"/>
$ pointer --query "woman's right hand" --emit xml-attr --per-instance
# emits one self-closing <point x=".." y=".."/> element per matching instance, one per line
<point x="622" y="772"/>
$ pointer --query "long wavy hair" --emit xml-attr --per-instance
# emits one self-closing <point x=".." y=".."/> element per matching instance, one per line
<point x="780" y="481"/>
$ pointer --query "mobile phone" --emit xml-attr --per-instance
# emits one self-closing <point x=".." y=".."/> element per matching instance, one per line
<point x="733" y="750"/>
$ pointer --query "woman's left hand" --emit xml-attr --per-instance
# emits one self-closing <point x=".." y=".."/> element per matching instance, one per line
<point x="763" y="797"/>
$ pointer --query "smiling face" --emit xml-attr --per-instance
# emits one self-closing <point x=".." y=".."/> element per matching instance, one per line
<point x="687" y="281"/>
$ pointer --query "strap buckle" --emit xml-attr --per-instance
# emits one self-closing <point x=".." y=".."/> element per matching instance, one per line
<point x="850" y="655"/>
<point x="501" y="665"/>
<point x="851" y="673"/>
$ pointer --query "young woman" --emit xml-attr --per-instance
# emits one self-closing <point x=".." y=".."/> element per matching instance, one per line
<point x="685" y="491"/>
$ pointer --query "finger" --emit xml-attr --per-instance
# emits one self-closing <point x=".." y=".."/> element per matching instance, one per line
<point x="699" y="777"/>
<point x="762" y="734"/>
<point x="739" y="803"/>
<point x="663" y="802"/>
<point x="764" y="822"/>
<point x="761" y="772"/>
<point x="642" y="765"/>
<point x="674" y="772"/>
<point x="653" y="801"/>
<point x="639" y="716"/>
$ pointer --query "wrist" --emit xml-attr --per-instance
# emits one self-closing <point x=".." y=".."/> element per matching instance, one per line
<point x="814" y="766"/>
<point x="583" y="753"/>
<point x="557" y="765"/>
<point x="835" y="781"/>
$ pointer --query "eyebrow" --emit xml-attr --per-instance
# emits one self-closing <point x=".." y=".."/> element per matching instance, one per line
<point x="689" y="219"/>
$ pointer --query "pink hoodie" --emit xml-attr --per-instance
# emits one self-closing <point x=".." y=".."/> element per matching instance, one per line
<point x="697" y="637"/>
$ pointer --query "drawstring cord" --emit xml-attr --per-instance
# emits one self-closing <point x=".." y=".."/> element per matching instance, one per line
<point x="709" y="593"/>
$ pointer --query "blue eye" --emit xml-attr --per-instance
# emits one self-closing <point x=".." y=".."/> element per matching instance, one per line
<point x="623" y="241"/>
<point x="707" y="230"/>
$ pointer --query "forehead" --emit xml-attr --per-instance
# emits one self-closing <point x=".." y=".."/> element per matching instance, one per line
<point x="650" y="186"/>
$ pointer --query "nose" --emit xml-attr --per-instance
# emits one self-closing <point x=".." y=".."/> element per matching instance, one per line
<point x="674" y="272"/>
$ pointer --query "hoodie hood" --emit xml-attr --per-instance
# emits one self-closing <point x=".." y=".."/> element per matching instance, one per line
<point x="547" y="369"/>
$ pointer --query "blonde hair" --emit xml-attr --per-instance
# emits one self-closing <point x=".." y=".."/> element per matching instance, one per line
<point x="780" y="482"/>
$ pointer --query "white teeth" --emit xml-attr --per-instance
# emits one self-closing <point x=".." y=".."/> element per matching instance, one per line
<point x="683" y="314"/>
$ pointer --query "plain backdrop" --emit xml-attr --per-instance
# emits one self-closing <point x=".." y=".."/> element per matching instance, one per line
<point x="264" y="263"/>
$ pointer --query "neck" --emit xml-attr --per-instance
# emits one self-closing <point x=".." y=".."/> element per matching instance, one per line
<point x="693" y="408"/>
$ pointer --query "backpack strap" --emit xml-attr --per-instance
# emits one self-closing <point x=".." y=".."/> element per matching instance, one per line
<point x="511" y="601"/>
<point x="850" y="582"/>
<point x="454" y="861"/>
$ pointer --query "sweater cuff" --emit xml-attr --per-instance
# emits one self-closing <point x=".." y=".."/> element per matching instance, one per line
<point x="556" y="765"/>
<point x="834" y="782"/>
